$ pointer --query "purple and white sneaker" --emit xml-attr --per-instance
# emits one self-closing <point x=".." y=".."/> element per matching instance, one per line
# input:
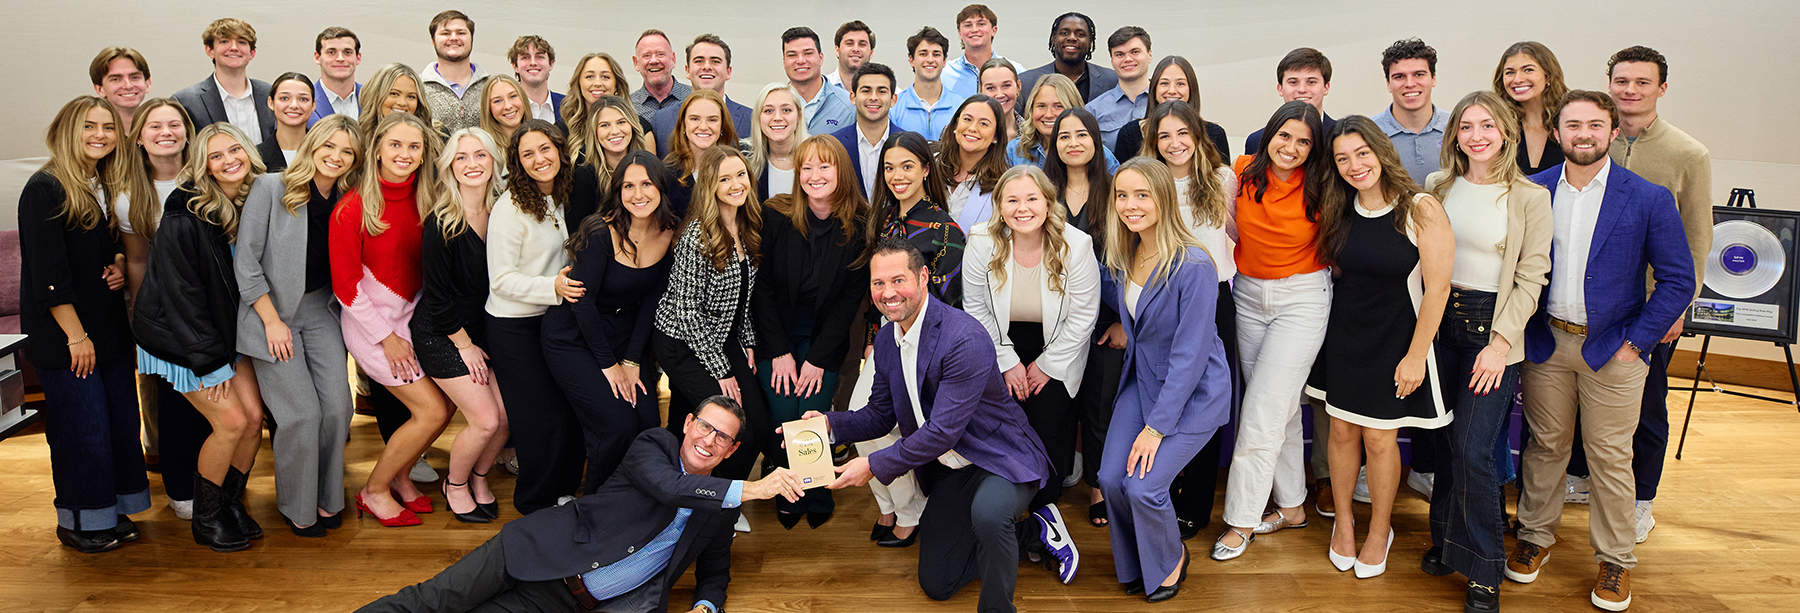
<point x="1055" y="536"/>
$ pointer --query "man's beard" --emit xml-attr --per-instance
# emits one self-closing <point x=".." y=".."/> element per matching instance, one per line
<point x="1585" y="158"/>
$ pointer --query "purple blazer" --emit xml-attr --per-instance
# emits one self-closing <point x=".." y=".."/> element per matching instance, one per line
<point x="1639" y="226"/>
<point x="1175" y="373"/>
<point x="967" y="408"/>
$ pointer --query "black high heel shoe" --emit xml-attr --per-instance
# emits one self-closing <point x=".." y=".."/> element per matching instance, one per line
<point x="881" y="532"/>
<point x="894" y="541"/>
<point x="1166" y="592"/>
<point x="332" y="521"/>
<point x="490" y="509"/>
<point x="788" y="520"/>
<point x="474" y="516"/>
<point x="815" y="519"/>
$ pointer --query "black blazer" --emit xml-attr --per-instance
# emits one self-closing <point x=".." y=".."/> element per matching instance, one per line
<point x="62" y="265"/>
<point x="273" y="160"/>
<point x="628" y="511"/>
<point x="787" y="262"/>
<point x="206" y="107"/>
<point x="584" y="197"/>
<point x="187" y="306"/>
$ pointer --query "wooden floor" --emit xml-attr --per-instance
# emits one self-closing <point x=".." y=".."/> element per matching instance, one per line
<point x="1726" y="540"/>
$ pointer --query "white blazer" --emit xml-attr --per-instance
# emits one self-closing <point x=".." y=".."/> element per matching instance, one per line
<point x="1069" y="317"/>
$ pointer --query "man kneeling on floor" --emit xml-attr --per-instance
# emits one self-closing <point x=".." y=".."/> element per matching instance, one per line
<point x="621" y="548"/>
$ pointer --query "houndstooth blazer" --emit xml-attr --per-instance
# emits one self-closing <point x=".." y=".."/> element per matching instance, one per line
<point x="701" y="303"/>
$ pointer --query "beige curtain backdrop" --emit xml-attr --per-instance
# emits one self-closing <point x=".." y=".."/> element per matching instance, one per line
<point x="1732" y="77"/>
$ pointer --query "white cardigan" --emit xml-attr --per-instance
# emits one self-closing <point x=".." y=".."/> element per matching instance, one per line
<point x="523" y="257"/>
<point x="1069" y="317"/>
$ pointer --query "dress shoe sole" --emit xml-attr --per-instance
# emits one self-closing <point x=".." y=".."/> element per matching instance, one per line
<point x="1610" y="605"/>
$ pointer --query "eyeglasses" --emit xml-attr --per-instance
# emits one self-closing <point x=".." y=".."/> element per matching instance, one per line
<point x="708" y="431"/>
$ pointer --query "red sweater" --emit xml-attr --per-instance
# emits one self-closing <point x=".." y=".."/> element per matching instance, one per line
<point x="393" y="256"/>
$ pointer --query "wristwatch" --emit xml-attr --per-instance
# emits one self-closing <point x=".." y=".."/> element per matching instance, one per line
<point x="1633" y="346"/>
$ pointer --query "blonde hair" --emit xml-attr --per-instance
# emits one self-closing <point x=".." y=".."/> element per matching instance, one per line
<point x="374" y="94"/>
<point x="426" y="189"/>
<point x="1055" y="220"/>
<point x="577" y="111"/>
<point x="298" y="179"/>
<point x="1029" y="139"/>
<point x="1503" y="170"/>
<point x="501" y="135"/>
<point x="715" y="242"/>
<point x="228" y="27"/>
<point x="68" y="163"/>
<point x="1171" y="235"/>
<point x="452" y="217"/>
<point x="759" y="145"/>
<point x="132" y="172"/>
<point x="210" y="203"/>
<point x="590" y="146"/>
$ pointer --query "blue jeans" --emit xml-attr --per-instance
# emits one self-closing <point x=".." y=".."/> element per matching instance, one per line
<point x="91" y="425"/>
<point x="1467" y="506"/>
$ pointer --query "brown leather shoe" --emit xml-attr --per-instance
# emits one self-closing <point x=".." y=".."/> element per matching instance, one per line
<point x="1526" y="560"/>
<point x="1324" y="503"/>
<point x="1612" y="589"/>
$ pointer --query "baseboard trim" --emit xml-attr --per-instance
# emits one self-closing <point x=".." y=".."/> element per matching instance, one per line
<point x="1751" y="372"/>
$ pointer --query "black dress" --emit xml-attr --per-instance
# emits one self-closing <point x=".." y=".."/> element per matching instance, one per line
<point x="1373" y="316"/>
<point x="610" y="324"/>
<point x="455" y="297"/>
<point x="1552" y="156"/>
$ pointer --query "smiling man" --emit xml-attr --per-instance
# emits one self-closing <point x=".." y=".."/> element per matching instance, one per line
<point x="623" y="547"/>
<point x="872" y="87"/>
<point x="532" y="57"/>
<point x="450" y="79"/>
<point x="936" y="376"/>
<point x="338" y="52"/>
<point x="855" y="44"/>
<point x="653" y="58"/>
<point x="926" y="107"/>
<point x="827" y="109"/>
<point x="709" y="68"/>
<point x="1123" y="105"/>
<point x="1071" y="44"/>
<point x="1411" y="121"/>
<point x="121" y="75"/>
<point x="976" y="25"/>
<point x="230" y="95"/>
<point x="1303" y="74"/>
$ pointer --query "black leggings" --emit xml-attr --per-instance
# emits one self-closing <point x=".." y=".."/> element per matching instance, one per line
<point x="1051" y="412"/>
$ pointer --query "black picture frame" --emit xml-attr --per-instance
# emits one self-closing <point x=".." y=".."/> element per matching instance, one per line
<point x="1712" y="312"/>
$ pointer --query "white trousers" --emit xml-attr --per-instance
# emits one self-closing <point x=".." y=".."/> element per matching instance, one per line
<point x="1281" y="325"/>
<point x="902" y="497"/>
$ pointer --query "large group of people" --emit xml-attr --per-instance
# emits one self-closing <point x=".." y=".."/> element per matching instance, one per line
<point x="994" y="283"/>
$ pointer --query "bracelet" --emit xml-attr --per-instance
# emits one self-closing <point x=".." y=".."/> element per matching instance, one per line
<point x="1152" y="431"/>
<point x="78" y="341"/>
<point x="629" y="363"/>
<point x="462" y="347"/>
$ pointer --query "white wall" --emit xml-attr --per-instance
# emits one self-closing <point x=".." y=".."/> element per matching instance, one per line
<point x="1732" y="74"/>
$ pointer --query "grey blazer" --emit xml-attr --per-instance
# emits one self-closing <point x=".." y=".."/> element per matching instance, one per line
<point x="271" y="260"/>
<point x="207" y="108"/>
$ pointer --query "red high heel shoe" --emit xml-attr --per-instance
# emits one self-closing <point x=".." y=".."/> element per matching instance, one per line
<point x="405" y="518"/>
<point x="422" y="504"/>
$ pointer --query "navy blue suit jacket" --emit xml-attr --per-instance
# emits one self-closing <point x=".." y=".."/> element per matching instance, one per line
<point x="322" y="102"/>
<point x="1639" y="226"/>
<point x="964" y="398"/>
<point x="848" y="138"/>
<point x="663" y="124"/>
<point x="1175" y="371"/>
<point x="631" y="508"/>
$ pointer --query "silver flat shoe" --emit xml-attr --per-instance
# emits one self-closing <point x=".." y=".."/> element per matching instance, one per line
<point x="1281" y="523"/>
<point x="1222" y="553"/>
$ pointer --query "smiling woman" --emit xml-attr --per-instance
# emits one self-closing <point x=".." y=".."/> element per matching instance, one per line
<point x="778" y="125"/>
<point x="291" y="98"/>
<point x="503" y="108"/>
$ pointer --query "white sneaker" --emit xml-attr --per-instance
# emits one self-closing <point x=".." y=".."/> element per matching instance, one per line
<point x="1361" y="493"/>
<point x="184" y="509"/>
<point x="1421" y="482"/>
<point x="743" y="523"/>
<point x="1074" y="475"/>
<point x="1575" y="489"/>
<point x="422" y="472"/>
<point x="1645" y="521"/>
<point x="564" y="500"/>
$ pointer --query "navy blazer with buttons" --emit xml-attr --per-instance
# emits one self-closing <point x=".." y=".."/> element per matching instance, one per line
<point x="322" y="102"/>
<point x="205" y="106"/>
<point x="849" y="139"/>
<point x="631" y="508"/>
<point x="1639" y="226"/>
<point x="967" y="408"/>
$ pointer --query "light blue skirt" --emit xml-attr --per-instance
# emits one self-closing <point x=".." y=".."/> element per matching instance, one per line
<point x="183" y="379"/>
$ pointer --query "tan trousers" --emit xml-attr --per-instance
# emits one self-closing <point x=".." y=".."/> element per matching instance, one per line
<point x="1608" y="416"/>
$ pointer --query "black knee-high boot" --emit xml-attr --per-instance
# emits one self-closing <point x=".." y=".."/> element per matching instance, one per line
<point x="235" y="483"/>
<point x="213" y="525"/>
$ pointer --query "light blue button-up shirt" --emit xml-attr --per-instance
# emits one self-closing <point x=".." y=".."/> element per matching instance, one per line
<point x="913" y="115"/>
<point x="829" y="112"/>
<point x="627" y="574"/>
<point x="1421" y="152"/>
<point x="964" y="77"/>
<point x="1114" y="110"/>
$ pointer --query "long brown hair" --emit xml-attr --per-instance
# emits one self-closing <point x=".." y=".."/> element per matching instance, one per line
<point x="374" y="94"/>
<point x="1255" y="178"/>
<point x="612" y="214"/>
<point x="992" y="164"/>
<point x="1099" y="196"/>
<point x="577" y="112"/>
<point x="884" y="204"/>
<point x="132" y="172"/>
<point x="1504" y="169"/>
<point x="1029" y="139"/>
<point x="525" y="192"/>
<point x="681" y="154"/>
<point x="1205" y="193"/>
<point x="1055" y="220"/>
<point x="715" y="241"/>
<point x="583" y="140"/>
<point x="68" y="163"/>
<point x="1396" y="185"/>
<point x="1554" y="86"/>
<point x="847" y="202"/>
